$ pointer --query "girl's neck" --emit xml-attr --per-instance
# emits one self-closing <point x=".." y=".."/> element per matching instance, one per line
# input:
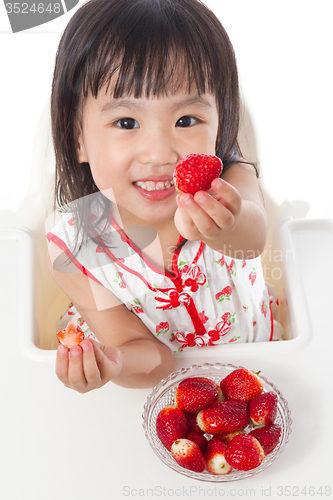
<point x="156" y="243"/>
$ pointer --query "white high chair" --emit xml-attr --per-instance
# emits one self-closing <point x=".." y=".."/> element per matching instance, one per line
<point x="27" y="225"/>
<point x="45" y="301"/>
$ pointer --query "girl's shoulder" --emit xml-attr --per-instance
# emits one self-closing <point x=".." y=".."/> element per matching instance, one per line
<point x="240" y="169"/>
<point x="61" y="229"/>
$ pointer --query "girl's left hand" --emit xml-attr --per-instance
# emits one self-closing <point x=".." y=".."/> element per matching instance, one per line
<point x="208" y="215"/>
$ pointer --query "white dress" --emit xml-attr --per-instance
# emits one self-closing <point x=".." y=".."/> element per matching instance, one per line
<point x="208" y="299"/>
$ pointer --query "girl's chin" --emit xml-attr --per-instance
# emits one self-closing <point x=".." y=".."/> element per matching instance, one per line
<point x="146" y="215"/>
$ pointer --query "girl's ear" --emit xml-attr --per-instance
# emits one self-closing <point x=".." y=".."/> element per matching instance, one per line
<point x="79" y="146"/>
<point x="82" y="157"/>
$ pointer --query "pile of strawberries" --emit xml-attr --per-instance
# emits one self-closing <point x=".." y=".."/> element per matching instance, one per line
<point x="205" y="429"/>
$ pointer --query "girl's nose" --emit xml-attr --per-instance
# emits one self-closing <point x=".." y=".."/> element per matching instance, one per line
<point x="157" y="148"/>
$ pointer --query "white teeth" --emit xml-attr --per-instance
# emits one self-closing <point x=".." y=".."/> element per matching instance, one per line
<point x="155" y="186"/>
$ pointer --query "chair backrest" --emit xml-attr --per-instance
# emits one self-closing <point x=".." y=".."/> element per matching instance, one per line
<point x="49" y="300"/>
<point x="278" y="214"/>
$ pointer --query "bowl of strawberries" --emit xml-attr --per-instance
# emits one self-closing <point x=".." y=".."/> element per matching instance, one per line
<point x="216" y="422"/>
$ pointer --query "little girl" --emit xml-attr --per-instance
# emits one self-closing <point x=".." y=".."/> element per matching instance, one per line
<point x="137" y="85"/>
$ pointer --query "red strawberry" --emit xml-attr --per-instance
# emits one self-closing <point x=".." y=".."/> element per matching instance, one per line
<point x="263" y="408"/>
<point x="214" y="457"/>
<point x="220" y="396"/>
<point x="268" y="437"/>
<point x="195" y="172"/>
<point x="242" y="385"/>
<point x="244" y="452"/>
<point x="199" y="438"/>
<point x="188" y="455"/>
<point x="191" y="419"/>
<point x="170" y="425"/>
<point x="223" y="416"/>
<point x="71" y="335"/>
<point x="196" y="393"/>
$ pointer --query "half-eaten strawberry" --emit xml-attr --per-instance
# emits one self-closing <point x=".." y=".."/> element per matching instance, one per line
<point x="71" y="335"/>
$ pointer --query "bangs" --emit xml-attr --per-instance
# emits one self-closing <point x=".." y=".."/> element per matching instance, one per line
<point x="152" y="49"/>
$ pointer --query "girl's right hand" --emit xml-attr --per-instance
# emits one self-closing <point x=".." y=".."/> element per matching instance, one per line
<point x="87" y="366"/>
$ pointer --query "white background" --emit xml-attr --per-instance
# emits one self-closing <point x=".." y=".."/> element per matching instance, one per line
<point x="58" y="444"/>
<point x="284" y="53"/>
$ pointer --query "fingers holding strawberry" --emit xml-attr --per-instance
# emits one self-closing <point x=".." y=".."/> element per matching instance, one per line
<point x="227" y="196"/>
<point x="207" y="215"/>
<point x="87" y="366"/>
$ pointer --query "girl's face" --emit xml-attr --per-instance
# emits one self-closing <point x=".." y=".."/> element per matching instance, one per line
<point x="133" y="145"/>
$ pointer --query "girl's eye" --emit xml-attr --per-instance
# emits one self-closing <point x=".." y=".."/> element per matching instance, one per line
<point x="127" y="123"/>
<point x="186" y="121"/>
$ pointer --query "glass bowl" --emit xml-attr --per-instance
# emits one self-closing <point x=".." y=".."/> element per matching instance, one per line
<point x="163" y="394"/>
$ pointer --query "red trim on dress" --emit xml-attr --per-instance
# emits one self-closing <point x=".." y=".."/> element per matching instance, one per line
<point x="124" y="237"/>
<point x="190" y="305"/>
<point x="199" y="252"/>
<point x="132" y="271"/>
<point x="62" y="245"/>
<point x="199" y="327"/>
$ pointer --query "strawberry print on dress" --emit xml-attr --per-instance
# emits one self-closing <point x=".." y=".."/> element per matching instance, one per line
<point x="163" y="327"/>
<point x="264" y="308"/>
<point x="220" y="261"/>
<point x="253" y="275"/>
<point x="207" y="299"/>
<point x="224" y="294"/>
<point x="232" y="267"/>
<point x="137" y="307"/>
<point x="119" y="280"/>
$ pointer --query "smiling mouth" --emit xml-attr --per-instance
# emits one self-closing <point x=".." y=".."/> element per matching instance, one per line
<point x="154" y="186"/>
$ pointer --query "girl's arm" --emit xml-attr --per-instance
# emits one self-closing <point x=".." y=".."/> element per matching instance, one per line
<point x="230" y="218"/>
<point x="129" y="354"/>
